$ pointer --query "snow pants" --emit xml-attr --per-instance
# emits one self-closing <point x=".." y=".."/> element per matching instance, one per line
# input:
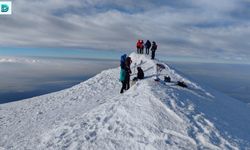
<point x="153" y="55"/>
<point x="127" y="82"/>
<point x="123" y="87"/>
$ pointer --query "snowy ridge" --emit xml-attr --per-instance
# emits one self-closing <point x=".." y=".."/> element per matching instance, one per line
<point x="150" y="115"/>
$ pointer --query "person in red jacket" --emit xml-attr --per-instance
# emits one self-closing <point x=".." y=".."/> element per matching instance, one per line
<point x="138" y="46"/>
<point x="141" y="47"/>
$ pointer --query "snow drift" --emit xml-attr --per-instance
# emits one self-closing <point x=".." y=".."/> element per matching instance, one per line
<point x="150" y="115"/>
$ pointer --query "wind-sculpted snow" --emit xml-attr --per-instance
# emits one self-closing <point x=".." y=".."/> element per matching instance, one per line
<point x="150" y="115"/>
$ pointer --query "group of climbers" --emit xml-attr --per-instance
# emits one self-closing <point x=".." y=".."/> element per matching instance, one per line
<point x="126" y="61"/>
<point x="126" y="72"/>
<point x="141" y="46"/>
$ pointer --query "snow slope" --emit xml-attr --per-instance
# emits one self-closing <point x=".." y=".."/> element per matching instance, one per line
<point x="150" y="115"/>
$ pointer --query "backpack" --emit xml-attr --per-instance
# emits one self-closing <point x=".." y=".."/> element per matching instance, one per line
<point x="154" y="47"/>
<point x="167" y="79"/>
<point x="122" y="61"/>
<point x="182" y="84"/>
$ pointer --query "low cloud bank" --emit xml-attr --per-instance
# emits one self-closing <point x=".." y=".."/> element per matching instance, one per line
<point x="27" y="74"/>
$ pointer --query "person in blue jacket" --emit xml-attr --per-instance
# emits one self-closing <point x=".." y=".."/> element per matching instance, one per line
<point x="123" y="72"/>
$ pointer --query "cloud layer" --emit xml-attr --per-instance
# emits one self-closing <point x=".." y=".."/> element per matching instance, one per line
<point x="28" y="73"/>
<point x="195" y="28"/>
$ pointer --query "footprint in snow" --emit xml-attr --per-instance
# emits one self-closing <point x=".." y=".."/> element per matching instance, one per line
<point x="110" y="127"/>
<point x="98" y="119"/>
<point x="91" y="136"/>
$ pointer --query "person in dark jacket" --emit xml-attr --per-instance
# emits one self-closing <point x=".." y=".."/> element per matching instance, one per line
<point x="128" y="72"/>
<point x="140" y="73"/>
<point x="147" y="46"/>
<point x="153" y="49"/>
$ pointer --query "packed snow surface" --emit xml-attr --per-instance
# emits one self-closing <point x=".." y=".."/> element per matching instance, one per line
<point x="150" y="115"/>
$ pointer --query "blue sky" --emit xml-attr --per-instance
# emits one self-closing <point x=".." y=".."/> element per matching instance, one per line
<point x="192" y="30"/>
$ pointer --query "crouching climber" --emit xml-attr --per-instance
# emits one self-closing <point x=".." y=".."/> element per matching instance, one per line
<point x="140" y="74"/>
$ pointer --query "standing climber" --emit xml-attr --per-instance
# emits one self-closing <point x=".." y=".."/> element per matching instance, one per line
<point x="138" y="46"/>
<point x="123" y="72"/>
<point x="153" y="49"/>
<point x="141" y="47"/>
<point x="127" y="72"/>
<point x="147" y="46"/>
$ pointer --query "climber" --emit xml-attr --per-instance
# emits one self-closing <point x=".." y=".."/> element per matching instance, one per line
<point x="147" y="46"/>
<point x="122" y="72"/>
<point x="138" y="46"/>
<point x="140" y="74"/>
<point x="141" y="47"/>
<point x="127" y="72"/>
<point x="153" y="49"/>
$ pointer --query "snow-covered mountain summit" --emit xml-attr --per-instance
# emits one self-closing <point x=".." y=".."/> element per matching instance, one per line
<point x="150" y="115"/>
